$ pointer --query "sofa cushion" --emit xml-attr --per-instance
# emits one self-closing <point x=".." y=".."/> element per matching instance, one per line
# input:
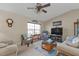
<point x="74" y="42"/>
<point x="9" y="42"/>
<point x="3" y="45"/>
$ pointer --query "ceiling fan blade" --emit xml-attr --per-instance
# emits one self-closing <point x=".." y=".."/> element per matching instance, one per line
<point x="44" y="11"/>
<point x="30" y="8"/>
<point x="45" y="5"/>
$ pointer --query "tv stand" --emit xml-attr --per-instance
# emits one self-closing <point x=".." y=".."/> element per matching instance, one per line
<point x="57" y="38"/>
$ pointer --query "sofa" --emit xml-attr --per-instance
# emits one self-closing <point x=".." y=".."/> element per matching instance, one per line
<point x="10" y="50"/>
<point x="7" y="46"/>
<point x="63" y="48"/>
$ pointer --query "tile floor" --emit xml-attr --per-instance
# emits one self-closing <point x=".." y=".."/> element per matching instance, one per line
<point x="30" y="51"/>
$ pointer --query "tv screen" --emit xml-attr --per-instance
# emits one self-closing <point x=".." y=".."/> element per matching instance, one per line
<point x="56" y="31"/>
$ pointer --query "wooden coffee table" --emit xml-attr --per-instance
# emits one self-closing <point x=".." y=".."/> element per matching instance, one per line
<point x="48" y="46"/>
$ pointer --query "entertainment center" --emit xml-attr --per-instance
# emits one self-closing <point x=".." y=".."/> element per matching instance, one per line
<point x="56" y="34"/>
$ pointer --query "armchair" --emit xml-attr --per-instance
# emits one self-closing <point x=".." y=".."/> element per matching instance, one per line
<point x="26" y="40"/>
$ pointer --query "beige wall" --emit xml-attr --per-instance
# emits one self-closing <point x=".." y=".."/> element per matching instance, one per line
<point x="67" y="19"/>
<point x="19" y="25"/>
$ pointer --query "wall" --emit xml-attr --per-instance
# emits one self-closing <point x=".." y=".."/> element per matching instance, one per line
<point x="67" y="19"/>
<point x="19" y="25"/>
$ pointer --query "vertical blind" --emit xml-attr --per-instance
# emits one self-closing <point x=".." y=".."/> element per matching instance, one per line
<point x="33" y="29"/>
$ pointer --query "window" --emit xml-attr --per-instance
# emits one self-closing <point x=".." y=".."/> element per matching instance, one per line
<point x="33" y="29"/>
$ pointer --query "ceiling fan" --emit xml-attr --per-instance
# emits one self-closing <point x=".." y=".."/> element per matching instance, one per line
<point x="39" y="7"/>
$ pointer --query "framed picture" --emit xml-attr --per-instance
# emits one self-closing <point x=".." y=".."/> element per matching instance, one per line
<point x="57" y="23"/>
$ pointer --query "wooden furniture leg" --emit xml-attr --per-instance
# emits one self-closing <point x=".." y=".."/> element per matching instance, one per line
<point x="27" y="44"/>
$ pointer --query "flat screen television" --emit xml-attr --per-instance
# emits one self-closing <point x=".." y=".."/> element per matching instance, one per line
<point x="56" y="31"/>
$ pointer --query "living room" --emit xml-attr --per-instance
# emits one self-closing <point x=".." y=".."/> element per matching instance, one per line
<point x="38" y="29"/>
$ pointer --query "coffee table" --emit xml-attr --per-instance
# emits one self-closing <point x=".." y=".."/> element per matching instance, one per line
<point x="48" y="47"/>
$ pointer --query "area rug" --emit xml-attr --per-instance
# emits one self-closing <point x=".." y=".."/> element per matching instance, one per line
<point x="46" y="53"/>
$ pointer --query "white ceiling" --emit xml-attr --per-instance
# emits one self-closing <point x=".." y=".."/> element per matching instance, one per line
<point x="54" y="10"/>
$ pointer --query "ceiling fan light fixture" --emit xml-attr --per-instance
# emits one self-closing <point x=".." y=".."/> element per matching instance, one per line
<point x="34" y="21"/>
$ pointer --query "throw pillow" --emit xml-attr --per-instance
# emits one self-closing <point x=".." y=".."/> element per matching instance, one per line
<point x="69" y="39"/>
<point x="74" y="42"/>
<point x="49" y="40"/>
